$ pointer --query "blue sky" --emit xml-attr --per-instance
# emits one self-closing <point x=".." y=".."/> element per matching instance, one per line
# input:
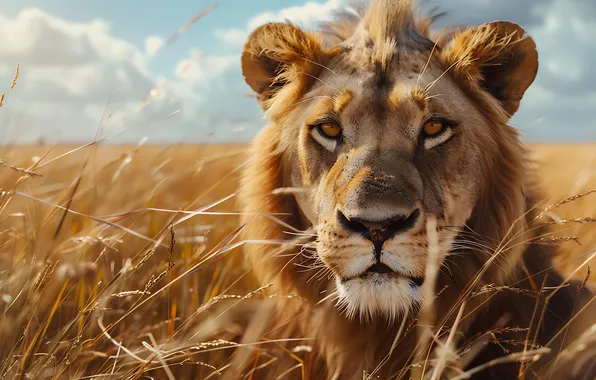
<point x="80" y="60"/>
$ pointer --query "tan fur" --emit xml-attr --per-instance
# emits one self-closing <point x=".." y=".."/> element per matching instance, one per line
<point x="342" y="101"/>
<point x="381" y="75"/>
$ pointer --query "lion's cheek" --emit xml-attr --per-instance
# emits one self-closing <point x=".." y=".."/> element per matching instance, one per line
<point x="458" y="204"/>
<point x="308" y="206"/>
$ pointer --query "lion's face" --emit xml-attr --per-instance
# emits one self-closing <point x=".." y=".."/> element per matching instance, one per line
<point x="385" y="137"/>
<point x="380" y="158"/>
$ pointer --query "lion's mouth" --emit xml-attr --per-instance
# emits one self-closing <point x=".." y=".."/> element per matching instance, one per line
<point x="384" y="270"/>
<point x="379" y="268"/>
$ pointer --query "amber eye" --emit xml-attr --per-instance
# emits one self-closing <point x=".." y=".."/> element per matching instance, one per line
<point x="433" y="127"/>
<point x="330" y="130"/>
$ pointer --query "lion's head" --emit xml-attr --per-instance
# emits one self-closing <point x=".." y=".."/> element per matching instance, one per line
<point x="377" y="126"/>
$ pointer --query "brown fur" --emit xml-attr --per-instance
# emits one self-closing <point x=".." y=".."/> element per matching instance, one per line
<point x="300" y="77"/>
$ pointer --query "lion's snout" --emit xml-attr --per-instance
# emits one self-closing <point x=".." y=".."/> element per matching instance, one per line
<point x="382" y="199"/>
<point x="379" y="231"/>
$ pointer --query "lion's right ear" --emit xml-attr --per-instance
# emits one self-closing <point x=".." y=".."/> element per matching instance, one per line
<point x="277" y="54"/>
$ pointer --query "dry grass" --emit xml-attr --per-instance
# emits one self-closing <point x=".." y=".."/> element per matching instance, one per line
<point x="63" y="272"/>
<point x="567" y="170"/>
<point x="118" y="262"/>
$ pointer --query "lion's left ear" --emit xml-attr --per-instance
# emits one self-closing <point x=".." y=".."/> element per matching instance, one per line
<point x="497" y="56"/>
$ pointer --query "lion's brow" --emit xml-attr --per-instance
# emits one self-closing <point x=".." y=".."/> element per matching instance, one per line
<point x="402" y="91"/>
<point x="342" y="100"/>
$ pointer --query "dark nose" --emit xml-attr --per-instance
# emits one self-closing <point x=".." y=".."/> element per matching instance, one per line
<point x="379" y="232"/>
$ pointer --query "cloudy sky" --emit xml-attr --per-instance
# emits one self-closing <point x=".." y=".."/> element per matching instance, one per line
<point x="89" y="67"/>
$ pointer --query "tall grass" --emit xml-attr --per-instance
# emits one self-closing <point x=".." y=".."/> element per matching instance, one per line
<point x="123" y="261"/>
<point x="108" y="256"/>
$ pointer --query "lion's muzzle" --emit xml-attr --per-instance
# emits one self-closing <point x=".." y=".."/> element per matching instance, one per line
<point x="378" y="232"/>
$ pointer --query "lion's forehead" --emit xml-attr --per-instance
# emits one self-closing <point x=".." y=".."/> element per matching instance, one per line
<point x="384" y="100"/>
<point x="368" y="69"/>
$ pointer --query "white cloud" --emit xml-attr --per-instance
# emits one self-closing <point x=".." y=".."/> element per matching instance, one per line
<point x="232" y="36"/>
<point x="198" y="68"/>
<point x="565" y="52"/>
<point x="70" y="73"/>
<point x="306" y="15"/>
<point x="561" y="100"/>
<point x="36" y="38"/>
<point x="152" y="45"/>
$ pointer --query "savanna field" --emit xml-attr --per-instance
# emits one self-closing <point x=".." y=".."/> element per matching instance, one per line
<point x="123" y="261"/>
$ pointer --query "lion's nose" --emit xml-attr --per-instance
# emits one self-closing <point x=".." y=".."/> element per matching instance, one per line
<point x="379" y="232"/>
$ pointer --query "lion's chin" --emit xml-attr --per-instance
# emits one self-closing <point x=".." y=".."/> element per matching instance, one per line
<point x="377" y="295"/>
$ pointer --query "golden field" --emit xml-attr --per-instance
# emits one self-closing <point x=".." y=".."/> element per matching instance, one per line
<point x="123" y="262"/>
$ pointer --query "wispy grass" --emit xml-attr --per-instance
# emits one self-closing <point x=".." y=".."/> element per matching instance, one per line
<point x="140" y="274"/>
<point x="119" y="275"/>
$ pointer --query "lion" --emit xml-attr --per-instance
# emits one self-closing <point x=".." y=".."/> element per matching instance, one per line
<point x="388" y="152"/>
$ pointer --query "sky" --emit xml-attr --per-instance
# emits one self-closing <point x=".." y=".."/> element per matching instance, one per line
<point x="105" y="68"/>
